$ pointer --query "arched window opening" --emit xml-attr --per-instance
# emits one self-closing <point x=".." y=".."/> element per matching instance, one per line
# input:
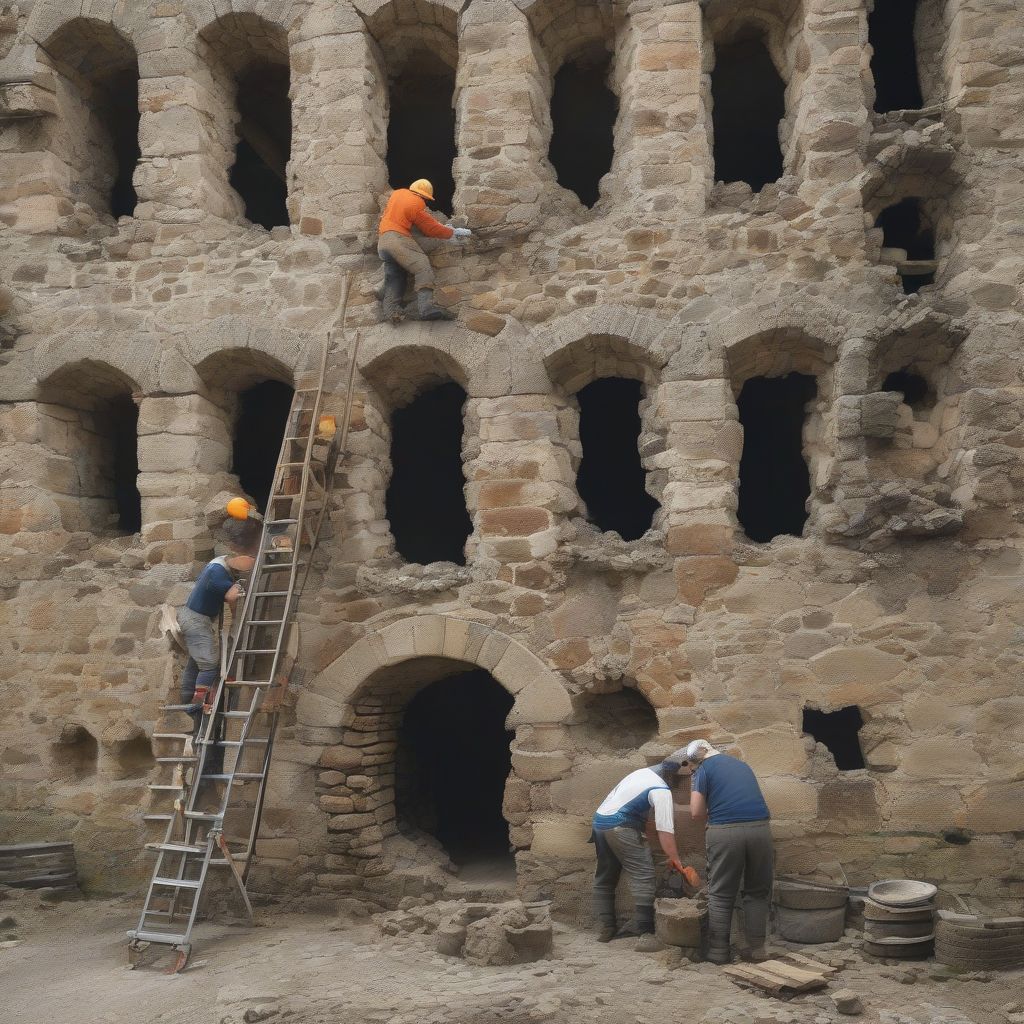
<point x="611" y="479"/>
<point x="75" y="754"/>
<point x="774" y="479"/>
<point x="910" y="239"/>
<point x="615" y="722"/>
<point x="421" y="127"/>
<point x="894" y="55"/>
<point x="583" y="113"/>
<point x="748" y="102"/>
<point x="425" y="501"/>
<point x="912" y="386"/>
<point x="839" y="732"/>
<point x="119" y="422"/>
<point x="98" y="95"/>
<point x="259" y="173"/>
<point x="259" y="430"/>
<point x="452" y="763"/>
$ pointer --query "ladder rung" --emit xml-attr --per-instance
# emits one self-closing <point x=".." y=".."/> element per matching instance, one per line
<point x="172" y="735"/>
<point x="247" y="682"/>
<point x="181" y="759"/>
<point x="175" y="847"/>
<point x="176" y="883"/>
<point x="261" y="622"/>
<point x="259" y="593"/>
<point x="222" y="862"/>
<point x="239" y="743"/>
<point x="256" y="650"/>
<point x="157" y="817"/>
<point x="143" y="935"/>
<point x="281" y="522"/>
<point x="175" y="707"/>
<point x="244" y="776"/>
<point x="168" y="788"/>
<point x="205" y="815"/>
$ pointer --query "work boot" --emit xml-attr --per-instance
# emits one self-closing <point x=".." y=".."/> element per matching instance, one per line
<point x="426" y="308"/>
<point x="642" y="923"/>
<point x="607" y="929"/>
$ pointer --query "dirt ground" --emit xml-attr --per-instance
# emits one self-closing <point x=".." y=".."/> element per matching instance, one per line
<point x="66" y="962"/>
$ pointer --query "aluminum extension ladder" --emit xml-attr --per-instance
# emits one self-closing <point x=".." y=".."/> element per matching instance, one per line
<point x="230" y="759"/>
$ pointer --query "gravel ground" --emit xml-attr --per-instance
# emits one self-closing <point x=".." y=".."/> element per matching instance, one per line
<point x="66" y="963"/>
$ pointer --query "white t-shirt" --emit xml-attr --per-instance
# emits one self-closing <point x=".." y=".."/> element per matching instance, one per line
<point x="631" y="800"/>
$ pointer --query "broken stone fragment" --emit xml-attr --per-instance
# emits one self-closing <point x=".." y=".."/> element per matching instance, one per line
<point x="879" y="413"/>
<point x="847" y="1001"/>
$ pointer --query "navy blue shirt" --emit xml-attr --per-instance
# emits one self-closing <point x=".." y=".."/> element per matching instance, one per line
<point x="207" y="595"/>
<point x="730" y="789"/>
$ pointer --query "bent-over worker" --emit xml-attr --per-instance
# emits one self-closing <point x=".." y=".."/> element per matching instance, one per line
<point x="725" y="793"/>
<point x="401" y="253"/>
<point x="620" y="843"/>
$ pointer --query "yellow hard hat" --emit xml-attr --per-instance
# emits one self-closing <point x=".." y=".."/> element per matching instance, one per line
<point x="423" y="189"/>
<point x="238" y="508"/>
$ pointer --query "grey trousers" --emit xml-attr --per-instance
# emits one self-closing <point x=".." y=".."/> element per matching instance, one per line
<point x="405" y="251"/>
<point x="619" y="848"/>
<point x="739" y="854"/>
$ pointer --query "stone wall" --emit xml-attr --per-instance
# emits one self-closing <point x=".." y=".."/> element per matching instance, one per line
<point x="902" y="596"/>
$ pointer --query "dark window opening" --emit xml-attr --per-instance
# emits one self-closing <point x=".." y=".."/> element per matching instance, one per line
<point x="421" y="129"/>
<point x="894" y="60"/>
<point x="838" y="731"/>
<point x="262" y="416"/>
<point x="774" y="480"/>
<point x="122" y="427"/>
<point x="611" y="479"/>
<point x="912" y="386"/>
<point x="904" y="226"/>
<point x="583" y="113"/>
<point x="259" y="174"/>
<point x="134" y="758"/>
<point x="618" y="721"/>
<point x="76" y="753"/>
<point x="425" y="501"/>
<point x="748" y="100"/>
<point x="122" y="122"/>
<point x="452" y="763"/>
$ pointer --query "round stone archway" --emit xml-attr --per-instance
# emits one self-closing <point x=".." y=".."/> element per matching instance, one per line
<point x="360" y="699"/>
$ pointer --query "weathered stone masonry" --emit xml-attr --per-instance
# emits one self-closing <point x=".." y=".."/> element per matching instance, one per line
<point x="902" y="596"/>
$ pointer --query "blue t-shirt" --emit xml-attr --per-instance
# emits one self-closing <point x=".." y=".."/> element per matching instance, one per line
<point x="207" y="595"/>
<point x="730" y="789"/>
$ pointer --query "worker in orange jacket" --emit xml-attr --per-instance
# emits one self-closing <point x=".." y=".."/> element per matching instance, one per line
<point x="402" y="255"/>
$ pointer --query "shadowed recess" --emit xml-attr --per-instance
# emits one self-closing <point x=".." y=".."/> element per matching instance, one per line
<point x="904" y="226"/>
<point x="894" y="57"/>
<point x="259" y="174"/>
<point x="583" y="113"/>
<point x="421" y="128"/>
<point x="611" y="479"/>
<point x="774" y="481"/>
<point x="912" y="386"/>
<point x="748" y="101"/>
<point x="452" y="763"/>
<point x="259" y="430"/>
<point x="425" y="502"/>
<point x="121" y="416"/>
<point x="838" y="731"/>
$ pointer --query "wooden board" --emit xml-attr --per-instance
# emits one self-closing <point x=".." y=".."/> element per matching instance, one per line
<point x="785" y="975"/>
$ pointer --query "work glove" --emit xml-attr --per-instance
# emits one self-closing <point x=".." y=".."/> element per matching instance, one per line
<point x="461" y="232"/>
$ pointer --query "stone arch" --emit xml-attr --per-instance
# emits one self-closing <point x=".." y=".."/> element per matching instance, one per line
<point x="399" y="372"/>
<point x="640" y="333"/>
<point x="774" y="353"/>
<point x="48" y="17"/>
<point x="236" y="368"/>
<point x="281" y="13"/>
<point x="61" y="359"/>
<point x="540" y="699"/>
<point x="283" y="347"/>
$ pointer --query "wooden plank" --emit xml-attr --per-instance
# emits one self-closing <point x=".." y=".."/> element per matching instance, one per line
<point x="805" y="961"/>
<point x="792" y="977"/>
<point x="748" y="975"/>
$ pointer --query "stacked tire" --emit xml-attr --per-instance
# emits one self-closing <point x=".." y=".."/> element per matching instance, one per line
<point x="809" y="911"/>
<point x="979" y="943"/>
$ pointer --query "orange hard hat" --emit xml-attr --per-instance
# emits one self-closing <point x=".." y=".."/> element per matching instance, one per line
<point x="423" y="189"/>
<point x="238" y="508"/>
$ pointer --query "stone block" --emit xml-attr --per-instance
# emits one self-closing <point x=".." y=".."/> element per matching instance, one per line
<point x="563" y="837"/>
<point x="541" y="766"/>
<point x="319" y="712"/>
<point x="679" y="922"/>
<point x="842" y="665"/>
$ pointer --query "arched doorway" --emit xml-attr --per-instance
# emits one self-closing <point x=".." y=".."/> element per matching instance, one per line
<point x="451" y="766"/>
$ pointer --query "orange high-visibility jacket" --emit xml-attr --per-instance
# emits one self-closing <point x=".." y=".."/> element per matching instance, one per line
<point x="406" y="209"/>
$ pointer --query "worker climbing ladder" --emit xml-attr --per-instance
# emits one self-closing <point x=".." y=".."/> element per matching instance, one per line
<point x="220" y="780"/>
